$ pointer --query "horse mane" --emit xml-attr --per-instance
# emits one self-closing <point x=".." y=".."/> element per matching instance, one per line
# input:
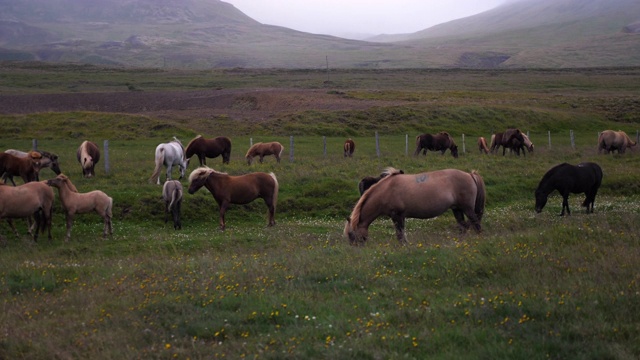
<point x="34" y="154"/>
<point x="68" y="183"/>
<point x="203" y="171"/>
<point x="252" y="148"/>
<point x="354" y="218"/>
<point x="191" y="142"/>
<point x="552" y="171"/>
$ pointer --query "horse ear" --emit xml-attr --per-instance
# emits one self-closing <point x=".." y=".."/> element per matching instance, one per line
<point x="348" y="219"/>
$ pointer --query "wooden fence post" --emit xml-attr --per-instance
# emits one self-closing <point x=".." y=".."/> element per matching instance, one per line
<point x="34" y="144"/>
<point x="106" y="157"/>
<point x="250" y="142"/>
<point x="464" y="146"/>
<point x="291" y="148"/>
<point x="573" y="139"/>
<point x="324" y="145"/>
<point x="377" y="144"/>
<point x="406" y="145"/>
<point x="549" y="134"/>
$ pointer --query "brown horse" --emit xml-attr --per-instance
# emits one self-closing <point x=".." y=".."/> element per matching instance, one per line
<point x="264" y="149"/>
<point x="482" y="145"/>
<point x="421" y="196"/>
<point x="243" y="189"/>
<point x="31" y="199"/>
<point x="610" y="140"/>
<point x="88" y="156"/>
<point x="172" y="195"/>
<point x="48" y="160"/>
<point x="512" y="139"/>
<point x="74" y="203"/>
<point x="25" y="167"/>
<point x="349" y="147"/>
<point x="209" y="148"/>
<point x="441" y="141"/>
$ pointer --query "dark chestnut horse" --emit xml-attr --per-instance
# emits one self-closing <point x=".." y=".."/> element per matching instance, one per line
<point x="369" y="181"/>
<point x="584" y="178"/>
<point x="441" y="141"/>
<point x="25" y="167"/>
<point x="49" y="160"/>
<point x="264" y="149"/>
<point x="209" y="148"/>
<point x="243" y="189"/>
<point x="349" y="148"/>
<point x="88" y="156"/>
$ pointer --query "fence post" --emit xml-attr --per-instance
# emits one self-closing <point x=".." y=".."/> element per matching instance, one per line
<point x="637" y="136"/>
<point x="324" y="146"/>
<point x="250" y="142"/>
<point x="291" y="148"/>
<point x="106" y="157"/>
<point x="464" y="146"/>
<point x="549" y="134"/>
<point x="573" y="140"/>
<point x="406" y="145"/>
<point x="377" y="145"/>
<point x="34" y="144"/>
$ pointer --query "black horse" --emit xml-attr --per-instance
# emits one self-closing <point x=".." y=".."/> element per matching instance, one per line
<point x="369" y="181"/>
<point x="584" y="178"/>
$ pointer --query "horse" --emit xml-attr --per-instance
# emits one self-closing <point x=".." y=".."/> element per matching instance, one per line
<point x="172" y="195"/>
<point x="512" y="139"/>
<point x="88" y="156"/>
<point x="610" y="140"/>
<point x="25" y="167"/>
<point x="369" y="181"/>
<point x="438" y="142"/>
<point x="349" y="147"/>
<point x="264" y="149"/>
<point x="211" y="148"/>
<point x="243" y="189"/>
<point x="23" y="201"/>
<point x="169" y="154"/>
<point x="584" y="178"/>
<point x="48" y="160"/>
<point x="74" y="203"/>
<point x="482" y="145"/>
<point x="423" y="196"/>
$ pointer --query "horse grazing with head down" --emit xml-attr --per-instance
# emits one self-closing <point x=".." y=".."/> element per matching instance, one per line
<point x="88" y="156"/>
<point x="209" y="148"/>
<point x="172" y="195"/>
<point x="264" y="149"/>
<point x="349" y="147"/>
<point x="31" y="199"/>
<point x="421" y="196"/>
<point x="169" y="154"/>
<point x="512" y="139"/>
<point x="584" y="178"/>
<point x="243" y="189"/>
<point x="610" y="140"/>
<point x="369" y="181"/>
<point x="25" y="167"/>
<point x="74" y="203"/>
<point x="482" y="145"/>
<point x="441" y="141"/>
<point x="48" y="160"/>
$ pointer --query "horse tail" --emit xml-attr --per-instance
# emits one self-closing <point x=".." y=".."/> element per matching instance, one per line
<point x="175" y="197"/>
<point x="276" y="187"/>
<point x="481" y="194"/>
<point x="159" y="160"/>
<point x="281" y="149"/>
<point x="109" y="209"/>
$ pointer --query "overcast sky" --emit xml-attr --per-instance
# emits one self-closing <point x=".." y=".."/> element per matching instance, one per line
<point x="371" y="17"/>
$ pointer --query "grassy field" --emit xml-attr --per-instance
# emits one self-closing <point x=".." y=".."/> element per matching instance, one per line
<point x="529" y="286"/>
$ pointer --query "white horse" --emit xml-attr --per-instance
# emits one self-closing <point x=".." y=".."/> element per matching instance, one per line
<point x="169" y="154"/>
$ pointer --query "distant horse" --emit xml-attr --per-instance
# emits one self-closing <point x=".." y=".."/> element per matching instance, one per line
<point x="441" y="141"/>
<point x="48" y="160"/>
<point x="264" y="149"/>
<point x="169" y="154"/>
<point x="74" y="203"/>
<point x="610" y="140"/>
<point x="209" y="148"/>
<point x="421" y="196"/>
<point x="25" y="167"/>
<point x="482" y="145"/>
<point x="369" y="181"/>
<point x="243" y="189"/>
<point x="31" y="199"/>
<point x="172" y="195"/>
<point x="512" y="139"/>
<point x="584" y="178"/>
<point x="349" y="148"/>
<point x="88" y="156"/>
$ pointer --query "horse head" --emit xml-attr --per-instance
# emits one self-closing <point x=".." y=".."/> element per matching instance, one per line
<point x="198" y="178"/>
<point x="454" y="150"/>
<point x="356" y="237"/>
<point x="541" y="200"/>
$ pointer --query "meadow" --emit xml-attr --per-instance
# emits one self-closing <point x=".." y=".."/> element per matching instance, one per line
<point x="529" y="286"/>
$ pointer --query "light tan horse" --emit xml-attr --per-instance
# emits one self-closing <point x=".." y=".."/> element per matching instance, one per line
<point x="243" y="189"/>
<point x="24" y="201"/>
<point x="610" y="140"/>
<point x="349" y="148"/>
<point x="264" y="149"/>
<point x="482" y="145"/>
<point x="422" y="196"/>
<point x="74" y="203"/>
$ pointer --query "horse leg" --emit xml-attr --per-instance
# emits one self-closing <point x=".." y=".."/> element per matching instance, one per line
<point x="13" y="227"/>
<point x="272" y="211"/>
<point x="223" y="209"/>
<point x="262" y="158"/>
<point x="176" y="217"/>
<point x="399" y="223"/>
<point x="565" y="204"/>
<point x="166" y="211"/>
<point x="459" y="215"/>
<point x="69" y="219"/>
<point x="203" y="160"/>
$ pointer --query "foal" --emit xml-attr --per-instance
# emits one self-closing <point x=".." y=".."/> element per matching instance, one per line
<point x="172" y="195"/>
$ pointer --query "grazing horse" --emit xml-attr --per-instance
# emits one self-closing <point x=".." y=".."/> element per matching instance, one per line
<point x="25" y="167"/>
<point x="512" y="139"/>
<point x="172" y="195"/>
<point x="169" y="154"/>
<point x="349" y="147"/>
<point x="584" y="178"/>
<point x="369" y="181"/>
<point x="48" y="160"/>
<point x="422" y="196"/>
<point x="88" y="156"/>
<point x="610" y="140"/>
<point x="31" y="199"/>
<point x="74" y="203"/>
<point x="482" y="145"/>
<point x="209" y="148"/>
<point x="243" y="189"/>
<point x="438" y="142"/>
<point x="264" y="149"/>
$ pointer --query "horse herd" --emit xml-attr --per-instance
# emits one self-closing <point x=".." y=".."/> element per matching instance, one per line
<point x="393" y="193"/>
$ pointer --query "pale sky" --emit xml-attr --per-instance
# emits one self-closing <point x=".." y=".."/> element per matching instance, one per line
<point x="370" y="17"/>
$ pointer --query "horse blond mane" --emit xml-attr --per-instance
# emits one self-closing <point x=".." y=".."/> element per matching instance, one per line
<point x="354" y="218"/>
<point x="203" y="171"/>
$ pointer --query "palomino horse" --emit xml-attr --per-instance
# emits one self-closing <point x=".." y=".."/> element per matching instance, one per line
<point x="264" y="149"/>
<point x="172" y="196"/>
<point x="48" y="160"/>
<point x="584" y="178"/>
<point x="25" y="167"/>
<point x="610" y="140"/>
<point x="243" y="189"/>
<point x="441" y="141"/>
<point x="421" y="196"/>
<point x="209" y="148"/>
<point x="31" y="199"/>
<point x="482" y="145"/>
<point x="88" y="156"/>
<point x="349" y="147"/>
<point x="369" y="181"/>
<point x="169" y="154"/>
<point x="74" y="203"/>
